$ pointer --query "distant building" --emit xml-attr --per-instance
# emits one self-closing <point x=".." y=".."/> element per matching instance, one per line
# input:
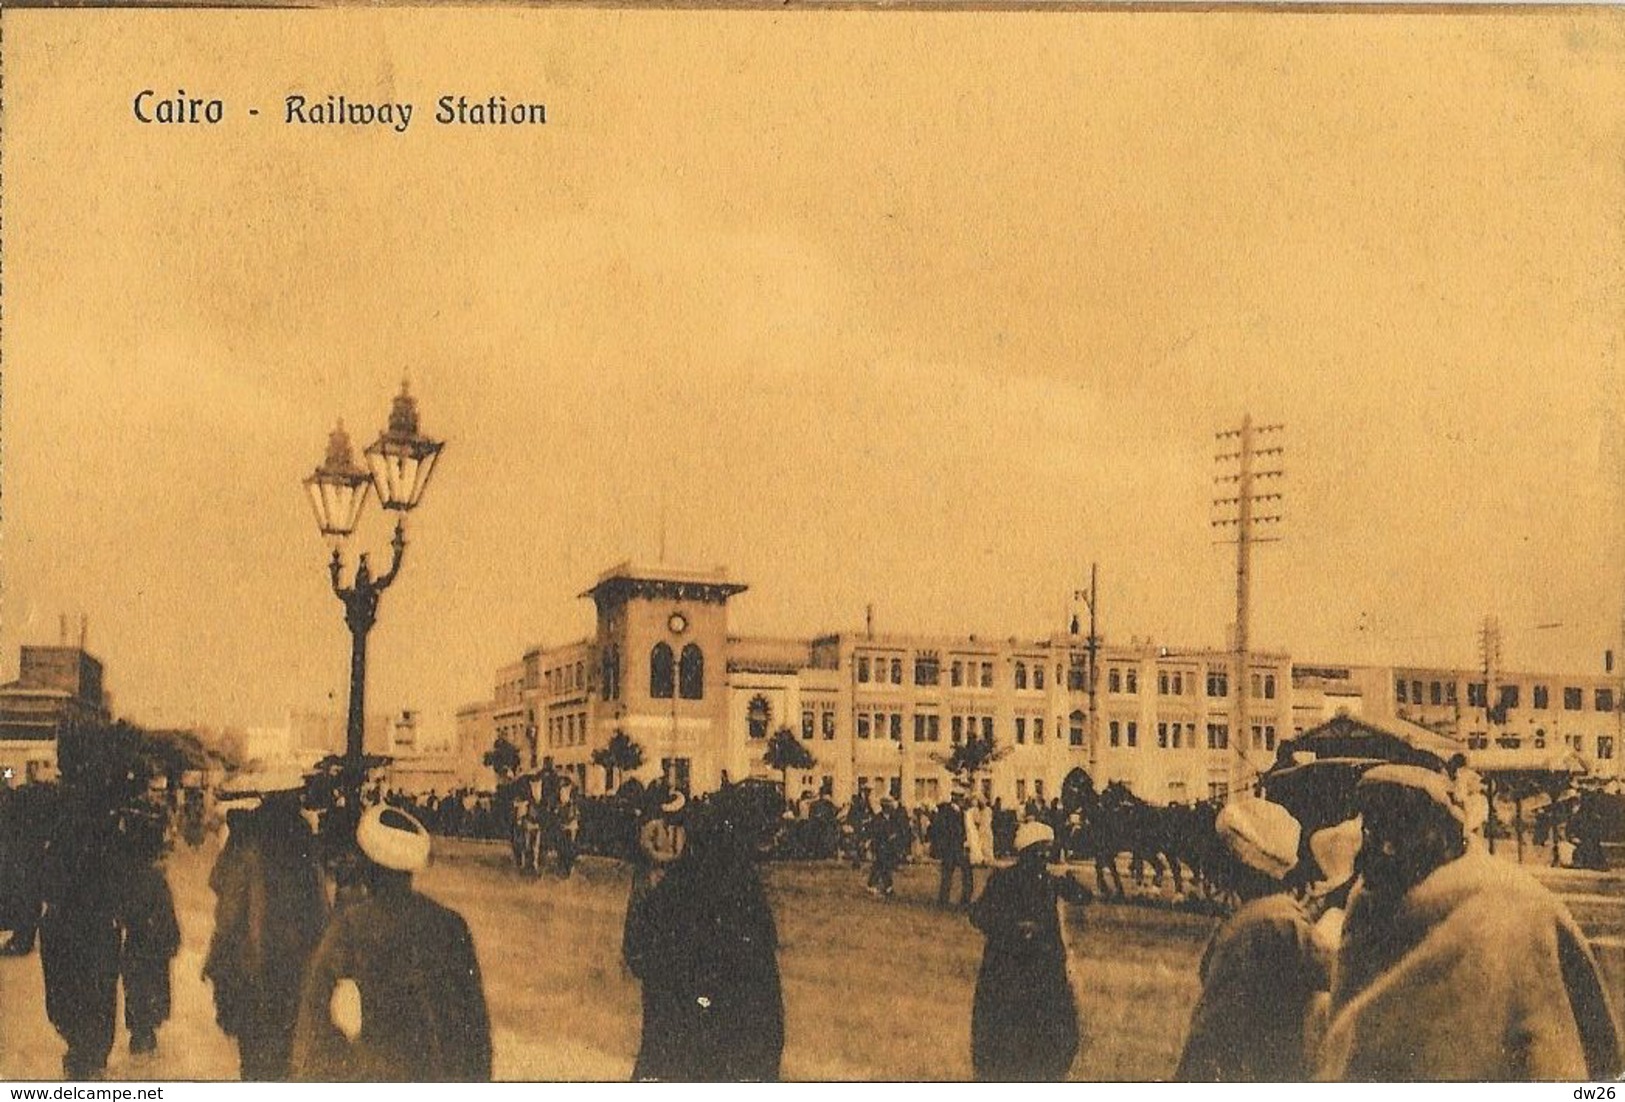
<point x="880" y="712"/>
<point x="57" y="690"/>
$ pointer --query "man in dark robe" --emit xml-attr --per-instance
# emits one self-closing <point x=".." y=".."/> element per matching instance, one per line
<point x="393" y="992"/>
<point x="152" y="937"/>
<point x="152" y="934"/>
<point x="1024" y="1020"/>
<point x="706" y="948"/>
<point x="270" y="910"/>
<point x="889" y="837"/>
<point x="950" y="845"/>
<point x="79" y="933"/>
<point x="26" y="817"/>
<point x="1263" y="973"/>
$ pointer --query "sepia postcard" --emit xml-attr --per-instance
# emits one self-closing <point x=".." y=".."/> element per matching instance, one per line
<point x="851" y="543"/>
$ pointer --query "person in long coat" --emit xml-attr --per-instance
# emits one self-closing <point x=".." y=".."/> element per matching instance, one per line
<point x="889" y="837"/>
<point x="270" y="911"/>
<point x="1454" y="965"/>
<point x="705" y="947"/>
<point x="949" y="840"/>
<point x="152" y="934"/>
<point x="1024" y="1020"/>
<point x="661" y="840"/>
<point x="26" y="817"/>
<point x="1264" y="973"/>
<point x="393" y="992"/>
<point x="79" y="932"/>
<point x="152" y="937"/>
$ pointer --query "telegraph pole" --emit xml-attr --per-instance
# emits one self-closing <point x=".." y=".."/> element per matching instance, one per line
<point x="1489" y="659"/>
<point x="1090" y="598"/>
<point x="1256" y="459"/>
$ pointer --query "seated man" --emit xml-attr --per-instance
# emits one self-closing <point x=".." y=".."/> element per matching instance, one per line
<point x="1455" y="965"/>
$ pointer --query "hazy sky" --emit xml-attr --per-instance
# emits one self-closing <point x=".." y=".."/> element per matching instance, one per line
<point x="929" y="310"/>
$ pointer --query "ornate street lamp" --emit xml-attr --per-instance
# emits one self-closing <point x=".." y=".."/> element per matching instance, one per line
<point x="401" y="460"/>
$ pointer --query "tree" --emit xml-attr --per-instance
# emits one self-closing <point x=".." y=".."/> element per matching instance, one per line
<point x="970" y="759"/>
<point x="502" y="758"/>
<point x="619" y="755"/>
<point x="785" y="752"/>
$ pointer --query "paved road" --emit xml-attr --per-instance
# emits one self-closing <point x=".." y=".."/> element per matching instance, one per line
<point x="191" y="1046"/>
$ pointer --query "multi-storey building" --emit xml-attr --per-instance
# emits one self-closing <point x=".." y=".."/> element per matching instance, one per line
<point x="876" y="711"/>
<point x="57" y="690"/>
<point x="1518" y="720"/>
<point x="885" y="711"/>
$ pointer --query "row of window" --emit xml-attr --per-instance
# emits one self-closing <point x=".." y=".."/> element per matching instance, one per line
<point x="515" y="734"/>
<point x="1478" y="740"/>
<point x="811" y="723"/>
<point x="1180" y="736"/>
<point x="567" y="730"/>
<point x="1036" y="788"/>
<point x="877" y="670"/>
<point x="1126" y="680"/>
<point x="566" y="678"/>
<point x="1508" y="696"/>
<point x="670" y="674"/>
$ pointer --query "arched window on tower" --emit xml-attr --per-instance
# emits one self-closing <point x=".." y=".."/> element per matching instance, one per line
<point x="660" y="672"/>
<point x="691" y="673"/>
<point x="610" y="683"/>
<point x="758" y="715"/>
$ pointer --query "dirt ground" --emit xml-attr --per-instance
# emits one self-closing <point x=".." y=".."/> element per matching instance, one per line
<point x="873" y="989"/>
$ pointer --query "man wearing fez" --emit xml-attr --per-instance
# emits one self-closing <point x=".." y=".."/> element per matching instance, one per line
<point x="393" y="991"/>
<point x="1455" y="965"/>
<point x="270" y="910"/>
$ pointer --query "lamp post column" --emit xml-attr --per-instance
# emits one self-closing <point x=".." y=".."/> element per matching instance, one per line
<point x="360" y="613"/>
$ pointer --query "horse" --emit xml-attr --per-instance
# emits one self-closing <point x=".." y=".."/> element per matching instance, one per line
<point x="1166" y="840"/>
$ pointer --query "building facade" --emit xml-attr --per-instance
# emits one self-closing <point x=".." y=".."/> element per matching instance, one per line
<point x="882" y="712"/>
<point x="57" y="690"/>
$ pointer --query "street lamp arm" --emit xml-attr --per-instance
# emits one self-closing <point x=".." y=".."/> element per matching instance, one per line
<point x="335" y="567"/>
<point x="398" y="549"/>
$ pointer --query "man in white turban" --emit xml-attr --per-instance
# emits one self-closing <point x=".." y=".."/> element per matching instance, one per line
<point x="394" y="991"/>
<point x="1261" y="972"/>
<point x="1024" y="1021"/>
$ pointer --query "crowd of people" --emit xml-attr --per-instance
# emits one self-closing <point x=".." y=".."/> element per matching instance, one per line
<point x="1385" y="947"/>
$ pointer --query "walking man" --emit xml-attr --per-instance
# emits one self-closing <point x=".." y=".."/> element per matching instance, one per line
<point x="705" y="946"/>
<point x="393" y="992"/>
<point x="79" y="932"/>
<point x="270" y="910"/>
<point x="950" y="845"/>
<point x="888" y="842"/>
<point x="152" y="934"/>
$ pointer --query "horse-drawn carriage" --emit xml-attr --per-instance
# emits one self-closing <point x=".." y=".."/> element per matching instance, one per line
<point x="1164" y="840"/>
<point x="544" y="816"/>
